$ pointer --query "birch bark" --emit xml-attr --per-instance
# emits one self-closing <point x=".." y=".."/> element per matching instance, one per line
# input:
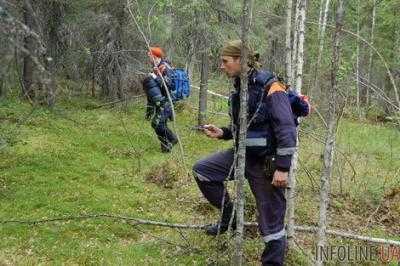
<point x="330" y="136"/>
<point x="241" y="153"/>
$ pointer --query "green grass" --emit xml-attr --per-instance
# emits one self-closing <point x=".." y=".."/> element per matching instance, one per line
<point x="76" y="160"/>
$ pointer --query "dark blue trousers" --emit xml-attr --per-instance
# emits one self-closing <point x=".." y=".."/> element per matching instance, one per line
<point x="210" y="174"/>
<point x="159" y="123"/>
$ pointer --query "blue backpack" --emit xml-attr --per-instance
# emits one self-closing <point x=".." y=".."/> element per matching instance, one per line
<point x="299" y="103"/>
<point x="180" y="88"/>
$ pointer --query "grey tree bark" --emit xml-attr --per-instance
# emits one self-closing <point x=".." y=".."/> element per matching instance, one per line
<point x="29" y="44"/>
<point x="295" y="38"/>
<point x="289" y="77"/>
<point x="112" y="64"/>
<point x="191" y="53"/>
<point x="321" y="10"/>
<point x="291" y="193"/>
<point x="202" y="116"/>
<point x="288" y="62"/>
<point x="367" y="93"/>
<point x="241" y="152"/>
<point x="2" y="75"/>
<point x="54" y="21"/>
<point x="330" y="136"/>
<point x="300" y="46"/>
<point x="321" y="36"/>
<point x="358" y="62"/>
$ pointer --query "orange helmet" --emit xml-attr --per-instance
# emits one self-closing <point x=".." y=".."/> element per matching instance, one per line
<point x="156" y="51"/>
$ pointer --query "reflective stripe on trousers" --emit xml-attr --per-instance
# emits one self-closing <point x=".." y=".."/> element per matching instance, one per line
<point x="276" y="236"/>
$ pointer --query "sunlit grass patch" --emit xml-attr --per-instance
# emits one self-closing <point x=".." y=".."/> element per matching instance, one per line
<point x="75" y="160"/>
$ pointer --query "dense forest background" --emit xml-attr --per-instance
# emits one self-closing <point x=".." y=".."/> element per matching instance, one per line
<point x="95" y="46"/>
<point x="73" y="139"/>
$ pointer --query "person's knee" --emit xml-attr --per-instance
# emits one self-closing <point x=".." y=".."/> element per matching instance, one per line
<point x="195" y="170"/>
<point x="198" y="172"/>
<point x="196" y="167"/>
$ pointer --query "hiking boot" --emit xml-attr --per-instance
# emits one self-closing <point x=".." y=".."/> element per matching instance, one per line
<point x="212" y="230"/>
<point x="274" y="252"/>
<point x="174" y="141"/>
<point x="171" y="137"/>
<point x="166" y="147"/>
<point x="222" y="226"/>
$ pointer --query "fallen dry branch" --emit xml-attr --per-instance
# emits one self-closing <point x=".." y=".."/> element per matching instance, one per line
<point x="310" y="229"/>
<point x="139" y="221"/>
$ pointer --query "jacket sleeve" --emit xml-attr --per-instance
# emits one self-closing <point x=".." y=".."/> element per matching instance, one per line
<point x="283" y="128"/>
<point x="152" y="90"/>
<point x="227" y="133"/>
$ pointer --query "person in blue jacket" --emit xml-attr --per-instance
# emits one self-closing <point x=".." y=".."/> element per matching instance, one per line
<point x="159" y="109"/>
<point x="270" y="144"/>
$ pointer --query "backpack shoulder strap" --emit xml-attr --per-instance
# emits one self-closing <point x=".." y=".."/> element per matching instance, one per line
<point x="164" y="66"/>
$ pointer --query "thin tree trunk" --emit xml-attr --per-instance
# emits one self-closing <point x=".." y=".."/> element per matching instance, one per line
<point x="397" y="49"/>
<point x="191" y="58"/>
<point x="397" y="44"/>
<point x="53" y="50"/>
<point x="292" y="179"/>
<point x="321" y="37"/>
<point x="241" y="152"/>
<point x="2" y="78"/>
<point x="330" y="137"/>
<point x="292" y="174"/>
<point x="367" y="94"/>
<point x="321" y="12"/>
<point x="29" y="45"/>
<point x="171" y="31"/>
<point x="358" y="62"/>
<point x="113" y="65"/>
<point x="300" y="49"/>
<point x="202" y="116"/>
<point x="273" y="55"/>
<point x="288" y="62"/>
<point x="291" y="200"/>
<point x="295" y="38"/>
<point x="120" y="15"/>
<point x="93" y="74"/>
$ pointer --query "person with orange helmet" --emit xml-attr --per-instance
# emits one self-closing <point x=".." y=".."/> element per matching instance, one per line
<point x="156" y="86"/>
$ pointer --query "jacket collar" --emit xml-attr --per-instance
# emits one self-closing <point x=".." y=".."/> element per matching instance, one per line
<point x="250" y="76"/>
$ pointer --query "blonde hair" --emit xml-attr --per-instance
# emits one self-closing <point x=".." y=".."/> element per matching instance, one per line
<point x="234" y="49"/>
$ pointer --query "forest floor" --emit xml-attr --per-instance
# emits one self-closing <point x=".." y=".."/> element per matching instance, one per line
<point x="77" y="160"/>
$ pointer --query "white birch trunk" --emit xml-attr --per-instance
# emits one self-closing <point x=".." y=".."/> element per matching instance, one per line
<point x="288" y="47"/>
<point x="367" y="96"/>
<point x="358" y="62"/>
<point x="291" y="200"/>
<point x="295" y="39"/>
<point x="291" y="193"/>
<point x="202" y="115"/>
<point x="330" y="137"/>
<point x="300" y="49"/>
<point x="321" y="37"/>
<point x="241" y="153"/>
<point x="321" y="10"/>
